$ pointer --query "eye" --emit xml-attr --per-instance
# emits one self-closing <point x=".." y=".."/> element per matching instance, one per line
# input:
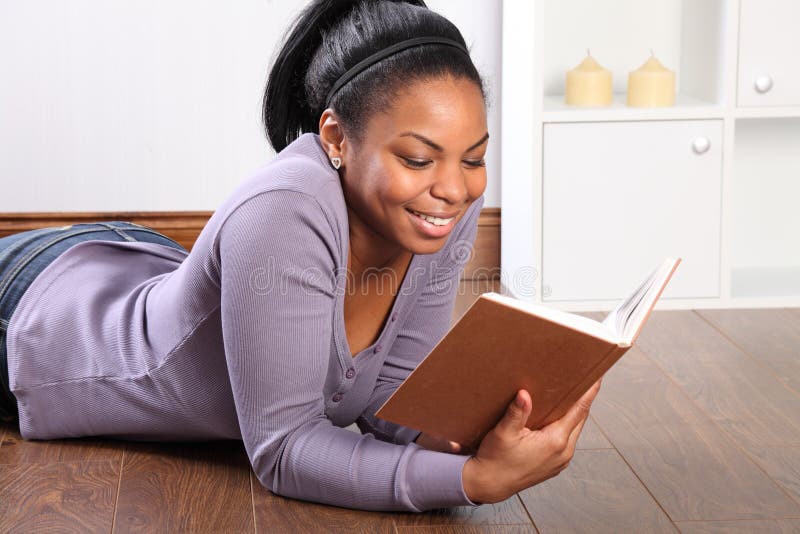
<point x="478" y="163"/>
<point x="417" y="164"/>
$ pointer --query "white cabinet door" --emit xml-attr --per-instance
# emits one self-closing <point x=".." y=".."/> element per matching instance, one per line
<point x="619" y="197"/>
<point x="769" y="72"/>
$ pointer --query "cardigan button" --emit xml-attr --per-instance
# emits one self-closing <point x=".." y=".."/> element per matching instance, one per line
<point x="394" y="316"/>
<point x="337" y="397"/>
<point x="378" y="347"/>
<point x="350" y="373"/>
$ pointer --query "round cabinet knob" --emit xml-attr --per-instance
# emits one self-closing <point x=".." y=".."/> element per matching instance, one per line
<point x="701" y="145"/>
<point x="763" y="84"/>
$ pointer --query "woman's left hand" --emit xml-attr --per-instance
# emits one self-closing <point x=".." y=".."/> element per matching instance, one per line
<point x="434" y="443"/>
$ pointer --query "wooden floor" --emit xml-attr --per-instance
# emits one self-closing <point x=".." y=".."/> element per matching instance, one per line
<point x="696" y="429"/>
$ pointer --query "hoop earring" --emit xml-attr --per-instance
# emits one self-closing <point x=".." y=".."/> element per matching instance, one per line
<point x="336" y="162"/>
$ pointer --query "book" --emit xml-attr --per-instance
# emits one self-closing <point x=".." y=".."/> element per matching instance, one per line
<point x="501" y="344"/>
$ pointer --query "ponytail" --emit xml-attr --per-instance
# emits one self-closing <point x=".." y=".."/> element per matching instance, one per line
<point x="285" y="109"/>
<point x="330" y="36"/>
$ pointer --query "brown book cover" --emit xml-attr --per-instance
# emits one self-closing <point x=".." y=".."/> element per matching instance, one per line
<point x="500" y="345"/>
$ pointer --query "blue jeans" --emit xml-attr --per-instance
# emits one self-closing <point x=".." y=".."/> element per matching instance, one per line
<point x="25" y="254"/>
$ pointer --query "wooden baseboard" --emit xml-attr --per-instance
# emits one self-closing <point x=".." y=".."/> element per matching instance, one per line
<point x="182" y="226"/>
<point x="185" y="226"/>
<point x="485" y="262"/>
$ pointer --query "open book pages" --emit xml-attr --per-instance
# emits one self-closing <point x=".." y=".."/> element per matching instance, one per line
<point x="621" y="325"/>
<point x="629" y="316"/>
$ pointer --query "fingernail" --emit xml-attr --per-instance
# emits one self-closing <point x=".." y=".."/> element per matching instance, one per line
<point x="520" y="402"/>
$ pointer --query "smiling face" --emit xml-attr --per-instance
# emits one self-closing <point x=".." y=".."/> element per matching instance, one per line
<point x="424" y="155"/>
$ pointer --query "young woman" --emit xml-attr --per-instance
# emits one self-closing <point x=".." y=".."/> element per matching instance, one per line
<point x="275" y="329"/>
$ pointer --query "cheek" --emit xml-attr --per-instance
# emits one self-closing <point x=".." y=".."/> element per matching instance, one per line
<point x="476" y="184"/>
<point x="403" y="187"/>
<point x="392" y="185"/>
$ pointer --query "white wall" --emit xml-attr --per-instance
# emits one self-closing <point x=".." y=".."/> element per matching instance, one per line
<point x="155" y="105"/>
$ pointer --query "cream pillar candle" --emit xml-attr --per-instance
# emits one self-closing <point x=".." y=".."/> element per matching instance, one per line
<point x="588" y="84"/>
<point x="651" y="85"/>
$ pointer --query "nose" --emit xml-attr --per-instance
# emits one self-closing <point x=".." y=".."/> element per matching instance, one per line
<point x="451" y="185"/>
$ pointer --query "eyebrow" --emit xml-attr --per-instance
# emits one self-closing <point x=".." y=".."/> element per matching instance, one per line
<point x="438" y="147"/>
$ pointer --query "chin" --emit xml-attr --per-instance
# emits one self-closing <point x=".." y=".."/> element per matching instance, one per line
<point x="426" y="247"/>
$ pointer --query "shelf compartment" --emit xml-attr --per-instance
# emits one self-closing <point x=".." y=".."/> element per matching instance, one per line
<point x="687" y="36"/>
<point x="765" y="220"/>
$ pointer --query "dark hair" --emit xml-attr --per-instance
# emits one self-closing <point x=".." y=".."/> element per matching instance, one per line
<point x="330" y="36"/>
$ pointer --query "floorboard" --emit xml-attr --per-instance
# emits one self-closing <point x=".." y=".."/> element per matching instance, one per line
<point x="688" y="462"/>
<point x="16" y="450"/>
<point x="766" y="526"/>
<point x="185" y="487"/>
<point x="597" y="493"/>
<point x="738" y="393"/>
<point x="277" y="514"/>
<point x="468" y="529"/>
<point x="58" y="497"/>
<point x="510" y="511"/>
<point x="691" y="467"/>
<point x="744" y="397"/>
<point x="770" y="336"/>
<point x="592" y="437"/>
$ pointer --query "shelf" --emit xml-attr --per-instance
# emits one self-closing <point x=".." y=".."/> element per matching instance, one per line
<point x="767" y="112"/>
<point x="685" y="108"/>
<point x="765" y="281"/>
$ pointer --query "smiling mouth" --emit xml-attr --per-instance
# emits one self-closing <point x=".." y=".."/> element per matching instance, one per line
<point x="438" y="221"/>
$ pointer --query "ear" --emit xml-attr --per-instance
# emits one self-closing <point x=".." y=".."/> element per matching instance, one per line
<point x="331" y="134"/>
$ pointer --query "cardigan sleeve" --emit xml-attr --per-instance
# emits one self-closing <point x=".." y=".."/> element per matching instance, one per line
<point x="277" y="259"/>
<point x="425" y="324"/>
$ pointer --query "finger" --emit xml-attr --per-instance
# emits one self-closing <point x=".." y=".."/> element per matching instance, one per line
<point x="576" y="432"/>
<point x="577" y="412"/>
<point x="517" y="413"/>
<point x="594" y="389"/>
<point x="588" y="397"/>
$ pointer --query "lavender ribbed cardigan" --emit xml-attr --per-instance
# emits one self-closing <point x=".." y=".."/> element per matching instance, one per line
<point x="244" y="338"/>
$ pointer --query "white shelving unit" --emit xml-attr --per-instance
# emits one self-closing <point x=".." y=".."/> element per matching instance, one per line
<point x="594" y="198"/>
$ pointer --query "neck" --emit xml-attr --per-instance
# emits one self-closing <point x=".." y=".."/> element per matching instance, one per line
<point x="368" y="249"/>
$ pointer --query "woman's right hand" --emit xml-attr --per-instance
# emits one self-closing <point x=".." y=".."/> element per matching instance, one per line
<point x="512" y="457"/>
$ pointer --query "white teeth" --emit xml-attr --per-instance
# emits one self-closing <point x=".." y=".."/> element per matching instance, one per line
<point x="433" y="220"/>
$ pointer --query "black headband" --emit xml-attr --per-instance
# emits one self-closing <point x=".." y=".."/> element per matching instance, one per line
<point x="388" y="51"/>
